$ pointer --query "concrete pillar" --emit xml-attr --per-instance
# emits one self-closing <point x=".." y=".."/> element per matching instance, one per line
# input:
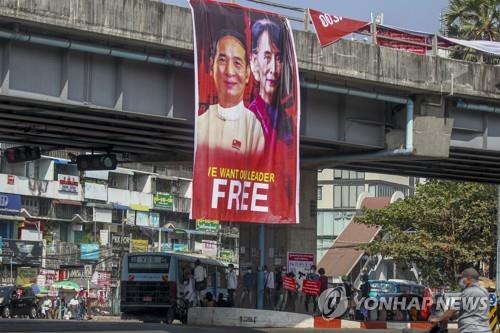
<point x="302" y="237"/>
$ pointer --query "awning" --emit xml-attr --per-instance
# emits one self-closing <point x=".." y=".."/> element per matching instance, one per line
<point x="11" y="218"/>
<point x="63" y="162"/>
<point x="139" y="207"/>
<point x="122" y="171"/>
<point x="119" y="207"/>
<point x="66" y="202"/>
<point x="97" y="174"/>
<point x="99" y="205"/>
<point x="486" y="46"/>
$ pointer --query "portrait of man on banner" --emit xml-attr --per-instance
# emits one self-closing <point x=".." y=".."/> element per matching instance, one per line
<point x="247" y="115"/>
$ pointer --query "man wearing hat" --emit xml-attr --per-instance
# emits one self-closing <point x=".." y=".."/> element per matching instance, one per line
<point x="473" y="306"/>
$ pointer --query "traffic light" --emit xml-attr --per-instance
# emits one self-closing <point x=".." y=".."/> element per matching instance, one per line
<point x="21" y="154"/>
<point x="96" y="162"/>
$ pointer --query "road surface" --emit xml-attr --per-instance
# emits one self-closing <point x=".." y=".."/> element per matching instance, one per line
<point x="52" y="326"/>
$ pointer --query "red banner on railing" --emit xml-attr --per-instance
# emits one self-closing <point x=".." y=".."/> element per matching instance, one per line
<point x="311" y="287"/>
<point x="331" y="28"/>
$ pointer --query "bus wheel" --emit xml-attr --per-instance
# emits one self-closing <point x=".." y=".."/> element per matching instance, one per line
<point x="170" y="315"/>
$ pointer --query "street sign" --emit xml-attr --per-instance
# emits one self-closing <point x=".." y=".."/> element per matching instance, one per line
<point x="88" y="271"/>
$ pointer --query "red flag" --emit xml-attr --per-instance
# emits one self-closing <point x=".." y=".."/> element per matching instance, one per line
<point x="331" y="28"/>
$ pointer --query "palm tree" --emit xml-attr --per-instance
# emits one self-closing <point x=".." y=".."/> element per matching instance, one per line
<point x="473" y="20"/>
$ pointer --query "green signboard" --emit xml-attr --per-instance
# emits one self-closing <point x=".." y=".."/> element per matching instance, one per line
<point x="226" y="255"/>
<point x="163" y="201"/>
<point x="207" y="225"/>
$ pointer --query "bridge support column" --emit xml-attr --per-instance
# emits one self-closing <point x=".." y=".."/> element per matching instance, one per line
<point x="260" y="270"/>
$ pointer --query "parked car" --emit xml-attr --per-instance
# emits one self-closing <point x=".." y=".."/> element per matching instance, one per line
<point x="17" y="301"/>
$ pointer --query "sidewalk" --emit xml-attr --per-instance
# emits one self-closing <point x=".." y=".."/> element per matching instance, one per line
<point x="106" y="318"/>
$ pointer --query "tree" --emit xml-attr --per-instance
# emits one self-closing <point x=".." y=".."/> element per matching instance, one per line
<point x="445" y="227"/>
<point x="473" y="20"/>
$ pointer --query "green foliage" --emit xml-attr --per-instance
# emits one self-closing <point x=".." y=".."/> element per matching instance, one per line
<point x="442" y="228"/>
<point x="473" y="19"/>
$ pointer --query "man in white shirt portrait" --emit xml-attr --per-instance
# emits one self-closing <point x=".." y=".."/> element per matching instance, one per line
<point x="228" y="125"/>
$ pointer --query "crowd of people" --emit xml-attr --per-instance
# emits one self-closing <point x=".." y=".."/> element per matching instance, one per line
<point x="279" y="294"/>
<point x="61" y="308"/>
<point x="284" y="291"/>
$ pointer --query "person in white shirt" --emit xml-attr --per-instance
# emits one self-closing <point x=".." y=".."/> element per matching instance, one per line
<point x="300" y="296"/>
<point x="200" y="280"/>
<point x="232" y="284"/>
<point x="269" y="287"/>
<point x="228" y="125"/>
<point x="189" y="290"/>
<point x="74" y="305"/>
<point x="46" y="306"/>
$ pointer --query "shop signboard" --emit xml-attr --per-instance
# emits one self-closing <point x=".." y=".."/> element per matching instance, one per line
<point x="163" y="201"/>
<point x="207" y="225"/>
<point x="26" y="275"/>
<point x="89" y="251"/>
<point x="139" y="245"/>
<point x="10" y="204"/>
<point x="68" y="183"/>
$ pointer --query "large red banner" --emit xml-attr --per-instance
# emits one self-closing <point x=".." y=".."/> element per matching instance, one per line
<point x="247" y="115"/>
<point x="331" y="28"/>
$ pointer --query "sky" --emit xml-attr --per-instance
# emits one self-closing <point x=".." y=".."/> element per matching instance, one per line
<point x="421" y="15"/>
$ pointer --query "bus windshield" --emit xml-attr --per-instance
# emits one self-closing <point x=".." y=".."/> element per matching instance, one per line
<point x="148" y="264"/>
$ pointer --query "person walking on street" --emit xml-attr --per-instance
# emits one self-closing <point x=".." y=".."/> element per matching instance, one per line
<point x="473" y="308"/>
<point x="269" y="288"/>
<point x="248" y="283"/>
<point x="200" y="280"/>
<point x="232" y="284"/>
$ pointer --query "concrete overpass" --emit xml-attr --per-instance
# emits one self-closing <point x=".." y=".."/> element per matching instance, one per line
<point x="117" y="76"/>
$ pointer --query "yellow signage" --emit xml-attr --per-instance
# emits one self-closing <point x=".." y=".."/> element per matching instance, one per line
<point x="26" y="276"/>
<point x="139" y="245"/>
